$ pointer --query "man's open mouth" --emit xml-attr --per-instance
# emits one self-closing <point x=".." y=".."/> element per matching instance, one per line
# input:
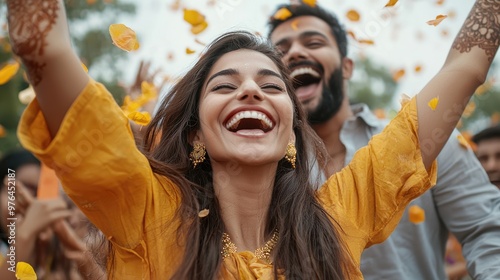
<point x="306" y="80"/>
<point x="304" y="76"/>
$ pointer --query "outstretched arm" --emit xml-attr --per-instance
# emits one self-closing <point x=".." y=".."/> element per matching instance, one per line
<point x="466" y="68"/>
<point x="39" y="36"/>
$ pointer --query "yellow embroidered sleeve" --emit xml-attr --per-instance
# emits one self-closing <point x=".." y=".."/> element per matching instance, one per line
<point x="368" y="196"/>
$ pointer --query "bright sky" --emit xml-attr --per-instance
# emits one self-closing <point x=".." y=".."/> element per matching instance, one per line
<point x="402" y="38"/>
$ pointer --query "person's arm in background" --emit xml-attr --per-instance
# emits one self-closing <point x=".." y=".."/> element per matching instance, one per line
<point x="465" y="68"/>
<point x="469" y="206"/>
<point x="39" y="35"/>
<point x="38" y="216"/>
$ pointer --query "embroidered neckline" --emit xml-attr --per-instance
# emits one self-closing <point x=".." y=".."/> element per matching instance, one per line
<point x="262" y="253"/>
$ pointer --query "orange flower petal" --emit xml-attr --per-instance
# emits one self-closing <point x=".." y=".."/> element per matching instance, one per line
<point x="123" y="37"/>
<point x="495" y="118"/>
<point x="25" y="271"/>
<point x="140" y="118"/>
<point x="433" y="103"/>
<point x="351" y="33"/>
<point x="148" y="90"/>
<point x="482" y="89"/>
<point x="418" y="69"/>
<point x="203" y="213"/>
<point x="353" y="15"/>
<point x="8" y="72"/>
<point x="380" y="113"/>
<point x="391" y="3"/>
<point x="366" y="42"/>
<point x="398" y="75"/>
<point x="3" y="132"/>
<point x="416" y="214"/>
<point x="282" y="14"/>
<point x="190" y="51"/>
<point x="469" y="109"/>
<point x="463" y="143"/>
<point x="196" y="29"/>
<point x="295" y="24"/>
<point x="437" y="21"/>
<point x="311" y="3"/>
<point x="193" y="17"/>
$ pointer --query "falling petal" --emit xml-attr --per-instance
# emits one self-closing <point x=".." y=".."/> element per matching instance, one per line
<point x="282" y="14"/>
<point x="197" y="29"/>
<point x="439" y="2"/>
<point x="469" y="109"/>
<point x="123" y="37"/>
<point x="418" y="69"/>
<point x="27" y="95"/>
<point x="149" y="91"/>
<point x="466" y="138"/>
<point x="495" y="118"/>
<point x="25" y="271"/>
<point x="416" y="214"/>
<point x="463" y="143"/>
<point x="176" y="5"/>
<point x="203" y="213"/>
<point x="433" y="103"/>
<point x="351" y="33"/>
<point x="366" y="42"/>
<point x="91" y="2"/>
<point x="190" y="51"/>
<point x="129" y="105"/>
<point x="140" y="118"/>
<point x="353" y="15"/>
<point x="452" y="14"/>
<point x="391" y="3"/>
<point x="48" y="184"/>
<point x="295" y="24"/>
<point x="437" y="21"/>
<point x="8" y="72"/>
<point x="398" y="75"/>
<point x="482" y="89"/>
<point x="380" y="113"/>
<point x="3" y="132"/>
<point x="311" y="3"/>
<point x="193" y="17"/>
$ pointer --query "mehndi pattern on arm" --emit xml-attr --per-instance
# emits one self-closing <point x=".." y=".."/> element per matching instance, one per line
<point x="481" y="28"/>
<point x="30" y="22"/>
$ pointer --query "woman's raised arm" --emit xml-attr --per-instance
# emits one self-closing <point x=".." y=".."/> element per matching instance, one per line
<point x="39" y="36"/>
<point x="465" y="69"/>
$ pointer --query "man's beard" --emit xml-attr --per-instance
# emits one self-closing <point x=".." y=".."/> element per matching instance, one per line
<point x="331" y="99"/>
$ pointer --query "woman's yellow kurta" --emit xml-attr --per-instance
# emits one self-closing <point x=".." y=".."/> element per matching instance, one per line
<point x="95" y="156"/>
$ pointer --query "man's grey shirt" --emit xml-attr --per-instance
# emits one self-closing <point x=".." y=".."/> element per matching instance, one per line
<point x="462" y="202"/>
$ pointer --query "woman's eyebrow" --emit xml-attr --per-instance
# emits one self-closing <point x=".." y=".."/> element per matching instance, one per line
<point x="267" y="72"/>
<point x="225" y="72"/>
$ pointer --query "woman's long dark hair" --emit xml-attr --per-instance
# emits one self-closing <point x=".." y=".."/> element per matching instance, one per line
<point x="309" y="246"/>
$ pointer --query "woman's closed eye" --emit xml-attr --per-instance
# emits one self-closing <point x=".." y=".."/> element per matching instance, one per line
<point x="224" y="86"/>
<point x="272" y="87"/>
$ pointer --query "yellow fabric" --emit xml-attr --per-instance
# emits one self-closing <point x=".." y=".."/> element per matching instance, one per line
<point x="95" y="157"/>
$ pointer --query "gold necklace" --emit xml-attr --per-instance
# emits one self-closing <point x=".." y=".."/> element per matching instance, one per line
<point x="263" y="253"/>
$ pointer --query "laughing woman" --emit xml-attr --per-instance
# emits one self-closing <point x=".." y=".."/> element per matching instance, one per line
<point x="221" y="188"/>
